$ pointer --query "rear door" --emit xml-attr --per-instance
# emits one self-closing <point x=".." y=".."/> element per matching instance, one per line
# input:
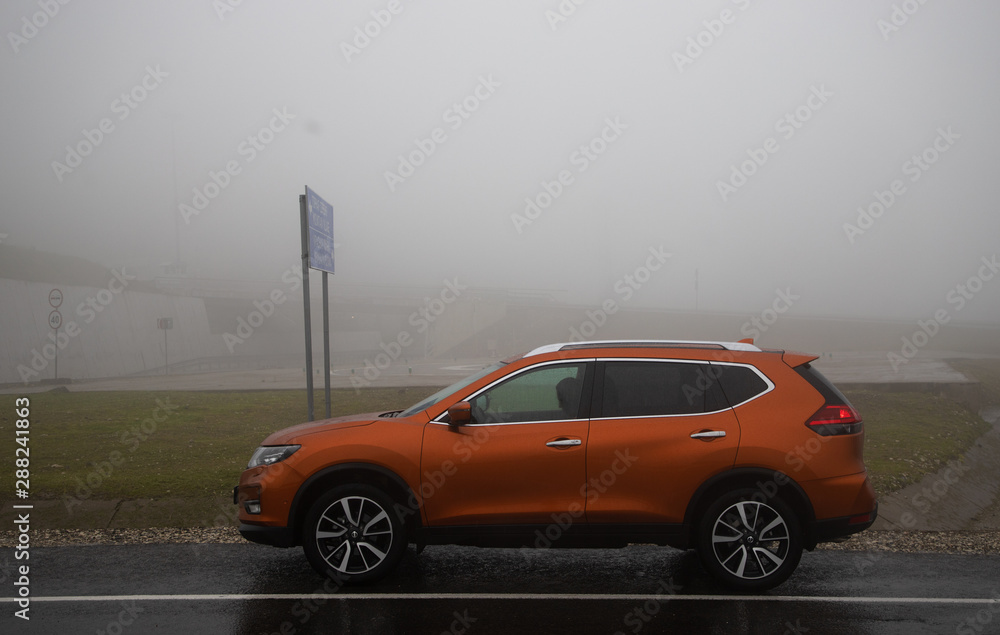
<point x="659" y="429"/>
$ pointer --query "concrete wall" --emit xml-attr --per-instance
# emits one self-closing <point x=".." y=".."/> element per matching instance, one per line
<point x="106" y="332"/>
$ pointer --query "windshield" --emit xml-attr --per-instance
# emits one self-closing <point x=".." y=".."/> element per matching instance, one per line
<point x="444" y="392"/>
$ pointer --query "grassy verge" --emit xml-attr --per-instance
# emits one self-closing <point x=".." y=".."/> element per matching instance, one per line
<point x="190" y="447"/>
<point x="911" y="434"/>
<point x="164" y="444"/>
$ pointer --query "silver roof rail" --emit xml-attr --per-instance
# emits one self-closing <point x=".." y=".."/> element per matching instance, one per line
<point x="570" y="346"/>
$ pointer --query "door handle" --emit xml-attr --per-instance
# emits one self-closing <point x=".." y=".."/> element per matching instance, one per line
<point x="564" y="443"/>
<point x="709" y="434"/>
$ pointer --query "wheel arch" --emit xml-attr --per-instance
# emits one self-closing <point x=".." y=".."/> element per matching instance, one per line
<point x="363" y="473"/>
<point x="769" y="483"/>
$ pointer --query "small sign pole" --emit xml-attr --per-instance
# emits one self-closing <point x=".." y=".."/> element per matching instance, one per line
<point x="305" y="303"/>
<point x="55" y="321"/>
<point x="165" y="324"/>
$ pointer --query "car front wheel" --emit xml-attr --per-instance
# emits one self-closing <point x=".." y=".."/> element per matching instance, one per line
<point x="352" y="534"/>
<point x="748" y="542"/>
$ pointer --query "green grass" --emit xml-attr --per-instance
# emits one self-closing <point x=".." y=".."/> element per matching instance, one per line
<point x="911" y="434"/>
<point x="198" y="448"/>
<point x="203" y="439"/>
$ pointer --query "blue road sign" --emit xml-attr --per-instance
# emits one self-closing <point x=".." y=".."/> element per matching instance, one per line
<point x="320" y="218"/>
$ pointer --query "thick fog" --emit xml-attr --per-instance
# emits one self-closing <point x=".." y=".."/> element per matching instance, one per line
<point x="843" y="152"/>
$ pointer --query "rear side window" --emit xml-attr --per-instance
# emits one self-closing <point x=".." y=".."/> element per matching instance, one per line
<point x="740" y="383"/>
<point x="651" y="388"/>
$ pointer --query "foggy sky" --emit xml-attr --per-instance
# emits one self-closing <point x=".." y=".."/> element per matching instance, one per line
<point x="874" y="84"/>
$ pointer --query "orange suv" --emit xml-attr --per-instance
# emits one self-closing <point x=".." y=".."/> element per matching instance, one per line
<point x="747" y="455"/>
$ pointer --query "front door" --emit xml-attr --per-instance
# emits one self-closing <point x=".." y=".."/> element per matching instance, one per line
<point x="521" y="459"/>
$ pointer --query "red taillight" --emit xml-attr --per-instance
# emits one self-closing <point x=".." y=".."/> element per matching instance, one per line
<point x="835" y="419"/>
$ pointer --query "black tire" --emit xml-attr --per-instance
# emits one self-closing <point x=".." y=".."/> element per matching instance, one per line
<point x="353" y="535"/>
<point x="749" y="542"/>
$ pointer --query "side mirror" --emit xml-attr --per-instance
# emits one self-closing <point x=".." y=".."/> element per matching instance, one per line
<point x="460" y="414"/>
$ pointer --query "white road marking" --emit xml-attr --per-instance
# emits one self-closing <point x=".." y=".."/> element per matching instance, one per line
<point x="499" y="596"/>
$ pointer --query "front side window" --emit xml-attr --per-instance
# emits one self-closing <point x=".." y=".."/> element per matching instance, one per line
<point x="547" y="393"/>
<point x="652" y="388"/>
<point x="444" y="392"/>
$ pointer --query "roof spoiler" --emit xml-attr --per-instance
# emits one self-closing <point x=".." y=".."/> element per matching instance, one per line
<point x="795" y="359"/>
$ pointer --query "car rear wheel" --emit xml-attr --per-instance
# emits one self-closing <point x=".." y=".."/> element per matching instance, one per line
<point x="749" y="542"/>
<point x="353" y="535"/>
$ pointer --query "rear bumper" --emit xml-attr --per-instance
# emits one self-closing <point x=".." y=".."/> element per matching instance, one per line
<point x="832" y="529"/>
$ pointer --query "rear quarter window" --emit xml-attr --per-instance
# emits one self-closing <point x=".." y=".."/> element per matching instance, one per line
<point x="739" y="383"/>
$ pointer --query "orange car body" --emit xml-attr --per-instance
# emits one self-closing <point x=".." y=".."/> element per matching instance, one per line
<point x="601" y="480"/>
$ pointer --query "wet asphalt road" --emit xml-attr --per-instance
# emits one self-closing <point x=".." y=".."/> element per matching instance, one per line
<point x="250" y="589"/>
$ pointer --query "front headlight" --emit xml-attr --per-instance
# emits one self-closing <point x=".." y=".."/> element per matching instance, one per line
<point x="271" y="454"/>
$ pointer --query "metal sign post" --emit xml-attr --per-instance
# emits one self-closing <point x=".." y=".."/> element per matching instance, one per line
<point x="55" y="321"/>
<point x="305" y="304"/>
<point x="326" y="346"/>
<point x="316" y="217"/>
<point x="165" y="324"/>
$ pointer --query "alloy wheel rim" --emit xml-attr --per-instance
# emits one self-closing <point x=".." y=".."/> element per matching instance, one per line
<point x="750" y="540"/>
<point x="354" y="535"/>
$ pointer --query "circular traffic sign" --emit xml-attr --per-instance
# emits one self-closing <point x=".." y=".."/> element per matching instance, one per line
<point x="55" y="298"/>
<point x="55" y="319"/>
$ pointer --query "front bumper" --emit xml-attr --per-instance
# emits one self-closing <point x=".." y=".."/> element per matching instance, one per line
<point x="272" y="536"/>
<point x="263" y="534"/>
